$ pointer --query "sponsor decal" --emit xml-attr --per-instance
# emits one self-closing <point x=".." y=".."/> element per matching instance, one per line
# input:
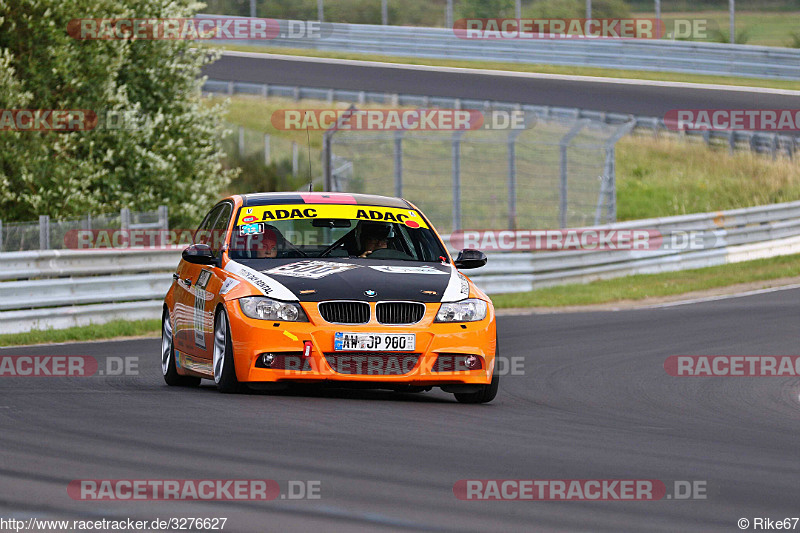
<point x="265" y="284"/>
<point x="252" y="229"/>
<point x="454" y="290"/>
<point x="464" y="284"/>
<point x="407" y="270"/>
<point x="200" y="298"/>
<point x="271" y="213"/>
<point x="310" y="269"/>
<point x="228" y="285"/>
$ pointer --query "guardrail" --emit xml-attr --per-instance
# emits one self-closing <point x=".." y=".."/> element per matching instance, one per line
<point x="760" y="142"/>
<point x="62" y="288"/>
<point x="634" y="54"/>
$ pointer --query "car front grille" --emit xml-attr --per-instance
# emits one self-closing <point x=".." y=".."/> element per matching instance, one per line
<point x="372" y="363"/>
<point x="396" y="313"/>
<point x="345" y="312"/>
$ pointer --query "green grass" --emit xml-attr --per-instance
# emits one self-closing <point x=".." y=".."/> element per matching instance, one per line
<point x="643" y="286"/>
<point x="763" y="28"/>
<point x="527" y="67"/>
<point x="109" y="330"/>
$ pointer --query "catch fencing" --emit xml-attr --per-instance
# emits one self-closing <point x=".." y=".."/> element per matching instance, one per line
<point x="47" y="234"/>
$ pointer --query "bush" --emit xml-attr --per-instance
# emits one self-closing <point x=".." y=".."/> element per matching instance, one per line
<point x="172" y="157"/>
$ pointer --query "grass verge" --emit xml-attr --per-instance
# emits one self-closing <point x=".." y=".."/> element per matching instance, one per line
<point x="109" y="330"/>
<point x="639" y="287"/>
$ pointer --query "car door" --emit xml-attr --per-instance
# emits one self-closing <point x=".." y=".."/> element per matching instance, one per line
<point x="187" y="318"/>
<point x="208" y="285"/>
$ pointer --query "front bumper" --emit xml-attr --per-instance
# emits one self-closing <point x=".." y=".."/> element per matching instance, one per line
<point x="251" y="338"/>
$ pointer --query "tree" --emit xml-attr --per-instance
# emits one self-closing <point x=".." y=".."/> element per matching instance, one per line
<point x="167" y="151"/>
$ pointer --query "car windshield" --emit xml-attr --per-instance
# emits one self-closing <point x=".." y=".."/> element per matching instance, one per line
<point x="319" y="231"/>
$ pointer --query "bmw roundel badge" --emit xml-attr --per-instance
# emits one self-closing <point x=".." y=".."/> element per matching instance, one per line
<point x="370" y="293"/>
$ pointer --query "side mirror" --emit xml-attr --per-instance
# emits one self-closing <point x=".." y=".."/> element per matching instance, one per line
<point x="470" y="259"/>
<point x="199" y="254"/>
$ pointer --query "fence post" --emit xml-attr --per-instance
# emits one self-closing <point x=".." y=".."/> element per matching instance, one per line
<point x="608" y="185"/>
<point x="1" y="235"/>
<point x="512" y="178"/>
<point x="267" y="151"/>
<point x="456" y="171"/>
<point x="163" y="217"/>
<point x="326" y="161"/>
<point x="564" y="145"/>
<point x="44" y="232"/>
<point x="398" y="163"/>
<point x="295" y="158"/>
<point x="241" y="141"/>
<point x="124" y="218"/>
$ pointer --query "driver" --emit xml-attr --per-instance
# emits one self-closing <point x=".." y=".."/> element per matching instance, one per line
<point x="264" y="245"/>
<point x="373" y="236"/>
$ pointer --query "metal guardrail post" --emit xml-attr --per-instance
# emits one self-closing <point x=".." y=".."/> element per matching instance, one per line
<point x="44" y="232"/>
<point x="564" y="145"/>
<point x="124" y="218"/>
<point x="1" y="235"/>
<point x="398" y="163"/>
<point x="163" y="217"/>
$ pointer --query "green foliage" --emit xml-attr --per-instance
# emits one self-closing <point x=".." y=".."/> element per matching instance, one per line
<point x="485" y="8"/>
<point x="719" y="36"/>
<point x="795" y="35"/>
<point x="171" y="156"/>
<point x="577" y="9"/>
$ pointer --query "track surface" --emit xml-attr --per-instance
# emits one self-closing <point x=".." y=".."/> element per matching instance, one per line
<point x="594" y="403"/>
<point x="645" y="99"/>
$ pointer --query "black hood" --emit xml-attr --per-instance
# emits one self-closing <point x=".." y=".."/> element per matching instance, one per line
<point x="314" y="280"/>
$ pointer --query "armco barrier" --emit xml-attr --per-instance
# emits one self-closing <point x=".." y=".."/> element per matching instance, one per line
<point x="62" y="288"/>
<point x="634" y="54"/>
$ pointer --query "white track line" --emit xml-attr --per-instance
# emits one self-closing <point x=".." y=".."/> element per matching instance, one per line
<point x="514" y="74"/>
<point x="724" y="296"/>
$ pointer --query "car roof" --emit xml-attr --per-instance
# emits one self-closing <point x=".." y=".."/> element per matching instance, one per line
<point x="270" y="198"/>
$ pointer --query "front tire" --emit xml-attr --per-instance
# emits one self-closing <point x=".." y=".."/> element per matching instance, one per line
<point x="168" y="367"/>
<point x="224" y="369"/>
<point x="485" y="395"/>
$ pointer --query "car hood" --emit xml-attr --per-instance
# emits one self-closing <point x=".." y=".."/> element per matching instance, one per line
<point x="314" y="280"/>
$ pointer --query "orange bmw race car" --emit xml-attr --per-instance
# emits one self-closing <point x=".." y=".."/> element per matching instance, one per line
<point x="347" y="289"/>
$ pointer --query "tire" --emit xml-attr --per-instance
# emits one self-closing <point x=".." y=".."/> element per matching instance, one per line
<point x="168" y="368"/>
<point x="485" y="395"/>
<point x="224" y="370"/>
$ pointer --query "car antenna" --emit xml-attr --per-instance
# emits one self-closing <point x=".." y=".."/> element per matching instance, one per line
<point x="308" y="143"/>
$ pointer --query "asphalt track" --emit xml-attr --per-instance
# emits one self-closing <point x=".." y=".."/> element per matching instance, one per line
<point x="619" y="96"/>
<point x="594" y="403"/>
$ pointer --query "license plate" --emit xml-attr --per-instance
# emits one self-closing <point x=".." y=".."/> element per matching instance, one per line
<point x="374" y="342"/>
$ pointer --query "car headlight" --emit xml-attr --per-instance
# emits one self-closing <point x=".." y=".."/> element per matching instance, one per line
<point x="263" y="308"/>
<point x="464" y="311"/>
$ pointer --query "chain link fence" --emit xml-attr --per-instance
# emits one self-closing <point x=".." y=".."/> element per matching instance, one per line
<point x="554" y="174"/>
<point x="47" y="234"/>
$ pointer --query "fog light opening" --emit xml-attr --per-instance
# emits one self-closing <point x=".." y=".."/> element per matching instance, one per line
<point x="472" y="362"/>
<point x="267" y="359"/>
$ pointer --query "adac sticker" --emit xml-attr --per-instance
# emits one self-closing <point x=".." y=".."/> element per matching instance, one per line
<point x="272" y="213"/>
